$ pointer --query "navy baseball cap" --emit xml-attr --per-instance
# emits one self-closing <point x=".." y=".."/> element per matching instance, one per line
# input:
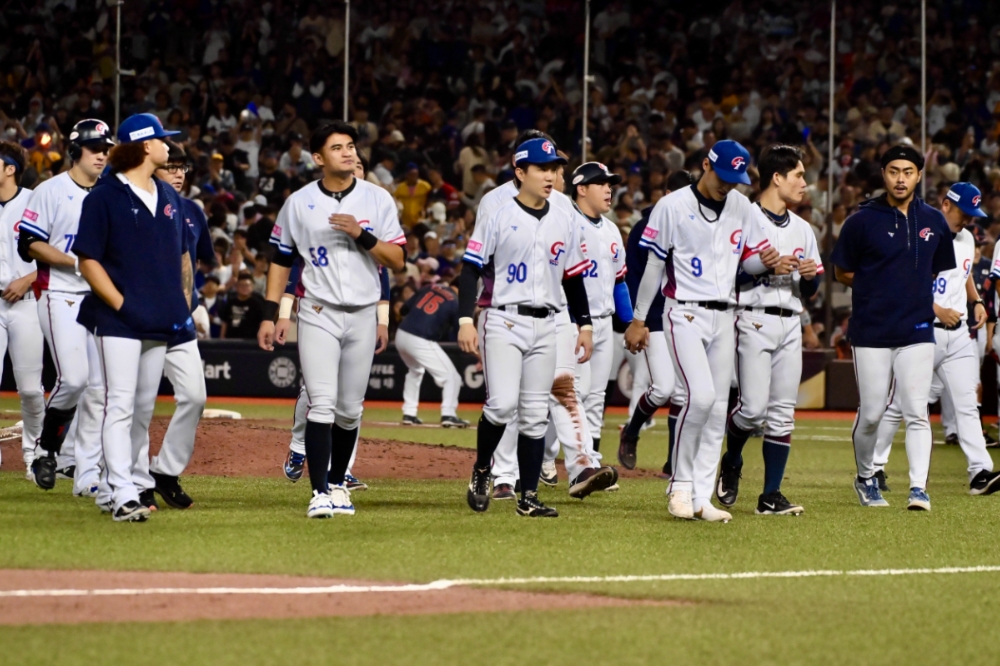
<point x="730" y="161"/>
<point x="967" y="197"/>
<point x="142" y="127"/>
<point x="536" y="151"/>
<point x="594" y="172"/>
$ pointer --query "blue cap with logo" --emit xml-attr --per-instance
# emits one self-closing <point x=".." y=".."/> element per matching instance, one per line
<point x="537" y="151"/>
<point x="142" y="127"/>
<point x="730" y="161"/>
<point x="967" y="197"/>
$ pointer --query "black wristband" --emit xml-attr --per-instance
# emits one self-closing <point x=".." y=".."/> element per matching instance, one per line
<point x="367" y="240"/>
<point x="270" y="311"/>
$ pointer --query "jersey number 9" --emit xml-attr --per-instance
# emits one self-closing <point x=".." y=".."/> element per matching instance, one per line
<point x="696" y="267"/>
<point x="319" y="256"/>
<point x="517" y="272"/>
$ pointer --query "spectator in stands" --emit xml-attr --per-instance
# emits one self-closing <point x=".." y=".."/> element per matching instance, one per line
<point x="272" y="182"/>
<point x="213" y="299"/>
<point x="243" y="311"/>
<point x="412" y="194"/>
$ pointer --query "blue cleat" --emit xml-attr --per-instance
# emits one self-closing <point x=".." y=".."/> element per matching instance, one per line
<point x="868" y="492"/>
<point x="294" y="464"/>
<point x="919" y="500"/>
<point x="353" y="483"/>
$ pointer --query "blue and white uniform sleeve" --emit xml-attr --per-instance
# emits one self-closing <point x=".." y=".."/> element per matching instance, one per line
<point x="576" y="251"/>
<point x="388" y="228"/>
<point x="37" y="216"/>
<point x="383" y="275"/>
<point x="657" y="236"/>
<point x="293" y="277"/>
<point x="482" y="244"/>
<point x="995" y="269"/>
<point x="281" y="234"/>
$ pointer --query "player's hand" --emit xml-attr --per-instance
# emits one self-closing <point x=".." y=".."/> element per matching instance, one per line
<point x="949" y="317"/>
<point x="770" y="257"/>
<point x="16" y="290"/>
<point x="382" y="337"/>
<point x="980" y="311"/>
<point x="468" y="339"/>
<point x="807" y="269"/>
<point x="265" y="335"/>
<point x="786" y="265"/>
<point x="346" y="223"/>
<point x="636" y="336"/>
<point x="584" y="341"/>
<point x="281" y="330"/>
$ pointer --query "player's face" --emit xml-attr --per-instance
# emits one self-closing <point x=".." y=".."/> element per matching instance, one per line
<point x="956" y="219"/>
<point x="792" y="186"/>
<point x="93" y="160"/>
<point x="598" y="197"/>
<point x="537" y="181"/>
<point x="157" y="152"/>
<point x="359" y="170"/>
<point x="7" y="173"/>
<point x="560" y="179"/>
<point x="339" y="156"/>
<point x="173" y="175"/>
<point x="901" y="178"/>
<point x="717" y="188"/>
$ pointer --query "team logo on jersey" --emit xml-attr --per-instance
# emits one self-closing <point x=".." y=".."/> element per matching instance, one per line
<point x="30" y="215"/>
<point x="757" y="325"/>
<point x="276" y="231"/>
<point x="926" y="233"/>
<point x="17" y="226"/>
<point x="367" y="226"/>
<point x="557" y="252"/>
<point x="168" y="210"/>
<point x="474" y="246"/>
<point x="189" y="222"/>
<point x="650" y="233"/>
<point x="614" y="251"/>
<point x="690" y="318"/>
<point x="967" y="266"/>
<point x="800" y="253"/>
<point x="318" y="308"/>
<point x="738" y="162"/>
<point x="736" y="239"/>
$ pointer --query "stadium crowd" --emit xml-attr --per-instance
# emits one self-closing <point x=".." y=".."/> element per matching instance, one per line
<point x="439" y="91"/>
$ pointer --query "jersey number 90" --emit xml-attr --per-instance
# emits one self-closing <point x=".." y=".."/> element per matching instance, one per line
<point x="517" y="273"/>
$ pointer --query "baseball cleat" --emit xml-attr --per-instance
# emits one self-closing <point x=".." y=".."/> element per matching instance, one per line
<point x="680" y="505"/>
<point x="453" y="422"/>
<point x="106" y="507"/>
<point x="169" y="488"/>
<point x="651" y="423"/>
<point x="951" y="440"/>
<point x="590" y="481"/>
<point x="919" y="500"/>
<point x="131" y="512"/>
<point x="984" y="483"/>
<point x="504" y="491"/>
<point x="881" y="477"/>
<point x="710" y="514"/>
<point x="614" y="484"/>
<point x="411" y="420"/>
<point x="66" y="472"/>
<point x="43" y="471"/>
<point x="29" y="456"/>
<point x="868" y="492"/>
<point x="89" y="491"/>
<point x="668" y="472"/>
<point x="531" y="507"/>
<point x="320" y="506"/>
<point x="353" y="483"/>
<point x="727" y="489"/>
<point x="147" y="498"/>
<point x="549" y="476"/>
<point x="340" y="496"/>
<point x="991" y="443"/>
<point x="776" y="504"/>
<point x="627" y="449"/>
<point x="478" y="494"/>
<point x="294" y="464"/>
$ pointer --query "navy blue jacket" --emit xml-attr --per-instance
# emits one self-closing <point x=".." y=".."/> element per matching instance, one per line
<point x="142" y="256"/>
<point x="430" y="313"/>
<point x="635" y="260"/>
<point x="894" y="259"/>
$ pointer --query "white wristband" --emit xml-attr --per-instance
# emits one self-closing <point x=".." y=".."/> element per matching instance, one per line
<point x="462" y="321"/>
<point x="382" y="313"/>
<point x="586" y="327"/>
<point x="285" y="306"/>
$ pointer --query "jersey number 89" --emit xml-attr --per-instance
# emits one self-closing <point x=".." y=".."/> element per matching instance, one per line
<point x="319" y="257"/>
<point x="518" y="272"/>
<point x="939" y="285"/>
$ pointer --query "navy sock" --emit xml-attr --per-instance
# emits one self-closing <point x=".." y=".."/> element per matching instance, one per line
<point x="644" y="411"/>
<point x="597" y="444"/>
<point x="319" y="443"/>
<point x="530" y="453"/>
<point x="736" y="439"/>
<point x="776" y="451"/>
<point x="488" y="437"/>
<point x="675" y="411"/>
<point x="340" y="457"/>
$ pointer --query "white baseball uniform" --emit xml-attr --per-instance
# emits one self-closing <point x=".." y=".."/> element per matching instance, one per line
<point x="956" y="374"/>
<point x="702" y="253"/>
<point x="19" y="327"/>
<point x="769" y="335"/>
<point x="53" y="215"/>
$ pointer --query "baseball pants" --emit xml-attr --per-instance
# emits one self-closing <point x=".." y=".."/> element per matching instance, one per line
<point x="876" y="368"/>
<point x="701" y="343"/>
<point x="768" y="372"/>
<point x="19" y="335"/>
<point x="956" y="376"/>
<point x="422" y="355"/>
<point x="298" y="443"/>
<point x="183" y="368"/>
<point x="592" y="376"/>
<point x="131" y="372"/>
<point x="652" y="373"/>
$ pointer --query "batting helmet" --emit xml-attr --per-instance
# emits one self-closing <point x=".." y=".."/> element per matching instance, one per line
<point x="89" y="132"/>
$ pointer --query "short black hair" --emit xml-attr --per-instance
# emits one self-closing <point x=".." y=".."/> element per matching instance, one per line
<point x="177" y="155"/>
<point x="528" y="135"/>
<point x="318" y="138"/>
<point x="778" y="159"/>
<point x="245" y="275"/>
<point x="15" y="153"/>
<point x="678" y="180"/>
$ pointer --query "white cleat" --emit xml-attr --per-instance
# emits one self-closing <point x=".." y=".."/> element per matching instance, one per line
<point x="680" y="505"/>
<point x="89" y="491"/>
<point x="340" y="496"/>
<point x="320" y="506"/>
<point x="710" y="514"/>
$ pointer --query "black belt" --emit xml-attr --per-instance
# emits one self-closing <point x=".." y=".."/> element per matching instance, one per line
<point x="722" y="306"/>
<point x="771" y="310"/>
<point x="957" y="326"/>
<point x="527" y="311"/>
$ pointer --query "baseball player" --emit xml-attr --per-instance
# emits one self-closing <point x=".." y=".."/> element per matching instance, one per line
<point x="888" y="252"/>
<point x="47" y="233"/>
<point x="697" y="237"/>
<point x="769" y="335"/>
<point x="19" y="327"/>
<point x="343" y="228"/>
<point x="653" y="379"/>
<point x="134" y="253"/>
<point x="956" y="364"/>
<point x="524" y="251"/>
<point x="427" y="317"/>
<point x="182" y="364"/>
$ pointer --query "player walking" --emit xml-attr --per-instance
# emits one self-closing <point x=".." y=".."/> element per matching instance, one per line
<point x="133" y="249"/>
<point x="343" y="228"/>
<point x="524" y="251"/>
<point x="47" y="234"/>
<point x="428" y="316"/>
<point x="956" y="363"/>
<point x="697" y="237"/>
<point x="769" y="335"/>
<point x="888" y="252"/>
<point x="19" y="327"/>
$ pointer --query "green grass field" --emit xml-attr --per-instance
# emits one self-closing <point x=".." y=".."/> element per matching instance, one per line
<point x="409" y="531"/>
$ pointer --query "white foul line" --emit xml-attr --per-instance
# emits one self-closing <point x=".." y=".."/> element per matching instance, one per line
<point x="489" y="582"/>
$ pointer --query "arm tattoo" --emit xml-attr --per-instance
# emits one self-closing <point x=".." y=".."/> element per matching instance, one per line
<point x="187" y="277"/>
